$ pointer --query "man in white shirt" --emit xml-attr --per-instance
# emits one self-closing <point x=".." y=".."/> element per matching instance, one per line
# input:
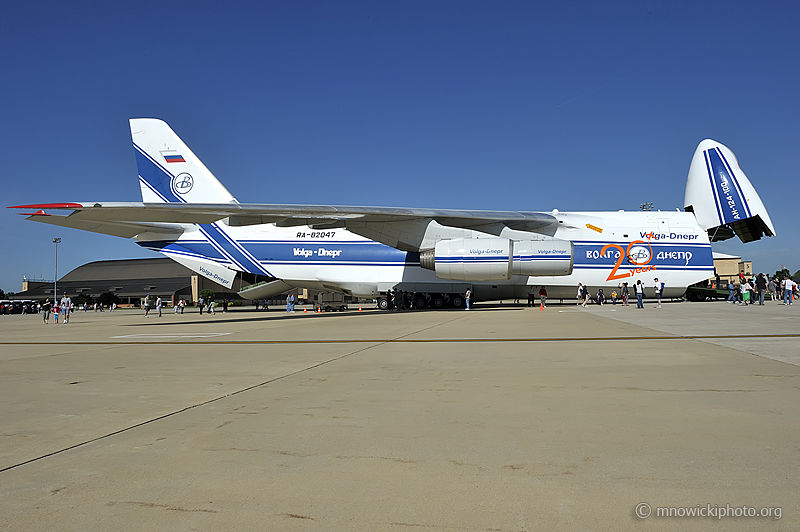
<point x="788" y="288"/>
<point x="639" y="293"/>
<point x="66" y="303"/>
<point x="658" y="292"/>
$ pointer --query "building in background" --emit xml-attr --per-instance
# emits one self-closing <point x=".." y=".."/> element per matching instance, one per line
<point x="728" y="267"/>
<point x="129" y="280"/>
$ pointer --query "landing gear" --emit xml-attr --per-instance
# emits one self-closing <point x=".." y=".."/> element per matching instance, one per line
<point x="383" y="303"/>
<point x="457" y="302"/>
<point x="420" y="301"/>
<point x="437" y="301"/>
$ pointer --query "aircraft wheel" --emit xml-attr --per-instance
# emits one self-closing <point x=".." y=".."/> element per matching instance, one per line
<point x="438" y="301"/>
<point x="420" y="302"/>
<point x="383" y="304"/>
<point x="457" y="301"/>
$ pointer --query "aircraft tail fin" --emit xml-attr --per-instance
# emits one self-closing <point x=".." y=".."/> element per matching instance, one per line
<point x="721" y="197"/>
<point x="168" y="170"/>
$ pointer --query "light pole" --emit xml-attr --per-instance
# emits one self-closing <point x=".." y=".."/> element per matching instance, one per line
<point x="56" y="241"/>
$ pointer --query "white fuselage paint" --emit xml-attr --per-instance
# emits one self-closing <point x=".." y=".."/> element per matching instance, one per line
<point x="610" y="248"/>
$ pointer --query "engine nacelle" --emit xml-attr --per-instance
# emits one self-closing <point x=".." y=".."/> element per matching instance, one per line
<point x="473" y="259"/>
<point x="543" y="257"/>
<point x="497" y="259"/>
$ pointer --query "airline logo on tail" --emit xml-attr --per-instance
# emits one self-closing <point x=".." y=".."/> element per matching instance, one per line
<point x="182" y="183"/>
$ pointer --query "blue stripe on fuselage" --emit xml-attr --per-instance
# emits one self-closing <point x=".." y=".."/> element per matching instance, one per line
<point x="679" y="256"/>
<point x="318" y="252"/>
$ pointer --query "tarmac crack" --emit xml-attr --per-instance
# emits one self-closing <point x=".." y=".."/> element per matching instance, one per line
<point x="215" y="399"/>
<point x="166" y="507"/>
<point x="188" y="408"/>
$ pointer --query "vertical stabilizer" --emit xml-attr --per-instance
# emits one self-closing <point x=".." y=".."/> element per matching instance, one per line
<point x="168" y="170"/>
<point x="721" y="197"/>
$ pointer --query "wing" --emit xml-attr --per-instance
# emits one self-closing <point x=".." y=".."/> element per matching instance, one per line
<point x="128" y="219"/>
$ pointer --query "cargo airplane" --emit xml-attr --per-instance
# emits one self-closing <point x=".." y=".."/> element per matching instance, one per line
<point x="436" y="254"/>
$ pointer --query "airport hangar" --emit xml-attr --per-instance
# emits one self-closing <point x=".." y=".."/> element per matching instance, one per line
<point x="129" y="280"/>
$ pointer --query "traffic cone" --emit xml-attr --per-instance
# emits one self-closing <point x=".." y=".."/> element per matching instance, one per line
<point x="541" y="305"/>
<point x="359" y="309"/>
<point x="305" y="309"/>
<point x="319" y="310"/>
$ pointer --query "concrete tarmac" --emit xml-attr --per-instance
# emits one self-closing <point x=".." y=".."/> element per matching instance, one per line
<point x="503" y="418"/>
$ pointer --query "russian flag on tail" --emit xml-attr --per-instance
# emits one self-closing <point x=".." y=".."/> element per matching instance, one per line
<point x="172" y="157"/>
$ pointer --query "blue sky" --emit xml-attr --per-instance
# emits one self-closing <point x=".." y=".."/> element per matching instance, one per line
<point x="474" y="105"/>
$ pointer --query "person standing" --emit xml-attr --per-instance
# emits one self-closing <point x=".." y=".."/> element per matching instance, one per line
<point x="761" y="286"/>
<point x="543" y="297"/>
<point x="46" y="310"/>
<point x="182" y="305"/>
<point x="146" y="305"/>
<point x="747" y="293"/>
<point x="788" y="289"/>
<point x="200" y="303"/>
<point x="580" y="293"/>
<point x="468" y="296"/>
<point x="658" y="292"/>
<point x="625" y="294"/>
<point x="639" y="287"/>
<point x="158" y="305"/>
<point x="66" y="302"/>
<point x="531" y="295"/>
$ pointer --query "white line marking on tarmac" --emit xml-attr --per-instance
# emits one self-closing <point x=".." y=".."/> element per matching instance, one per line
<point x="178" y="335"/>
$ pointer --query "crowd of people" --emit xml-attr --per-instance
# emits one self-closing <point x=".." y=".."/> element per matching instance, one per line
<point x="753" y="290"/>
<point x="622" y="294"/>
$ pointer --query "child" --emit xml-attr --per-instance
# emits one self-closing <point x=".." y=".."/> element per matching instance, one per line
<point x="613" y="297"/>
<point x="56" y="310"/>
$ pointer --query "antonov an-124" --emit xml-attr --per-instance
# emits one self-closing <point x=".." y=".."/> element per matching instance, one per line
<point x="436" y="254"/>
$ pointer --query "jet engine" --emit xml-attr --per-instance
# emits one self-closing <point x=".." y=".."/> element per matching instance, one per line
<point x="497" y="259"/>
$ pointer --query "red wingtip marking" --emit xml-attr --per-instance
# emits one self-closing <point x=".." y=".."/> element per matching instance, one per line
<point x="49" y="206"/>
<point x="37" y="213"/>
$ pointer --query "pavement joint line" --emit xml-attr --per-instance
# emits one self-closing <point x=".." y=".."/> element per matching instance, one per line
<point x="404" y="339"/>
<point x="190" y="407"/>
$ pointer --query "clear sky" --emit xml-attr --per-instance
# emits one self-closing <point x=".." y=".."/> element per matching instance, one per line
<point x="474" y="105"/>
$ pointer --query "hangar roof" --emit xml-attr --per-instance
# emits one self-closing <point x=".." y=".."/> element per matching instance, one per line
<point x="113" y="270"/>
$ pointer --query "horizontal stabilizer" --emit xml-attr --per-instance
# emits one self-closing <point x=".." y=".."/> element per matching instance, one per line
<point x="105" y="227"/>
<point x="721" y="197"/>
